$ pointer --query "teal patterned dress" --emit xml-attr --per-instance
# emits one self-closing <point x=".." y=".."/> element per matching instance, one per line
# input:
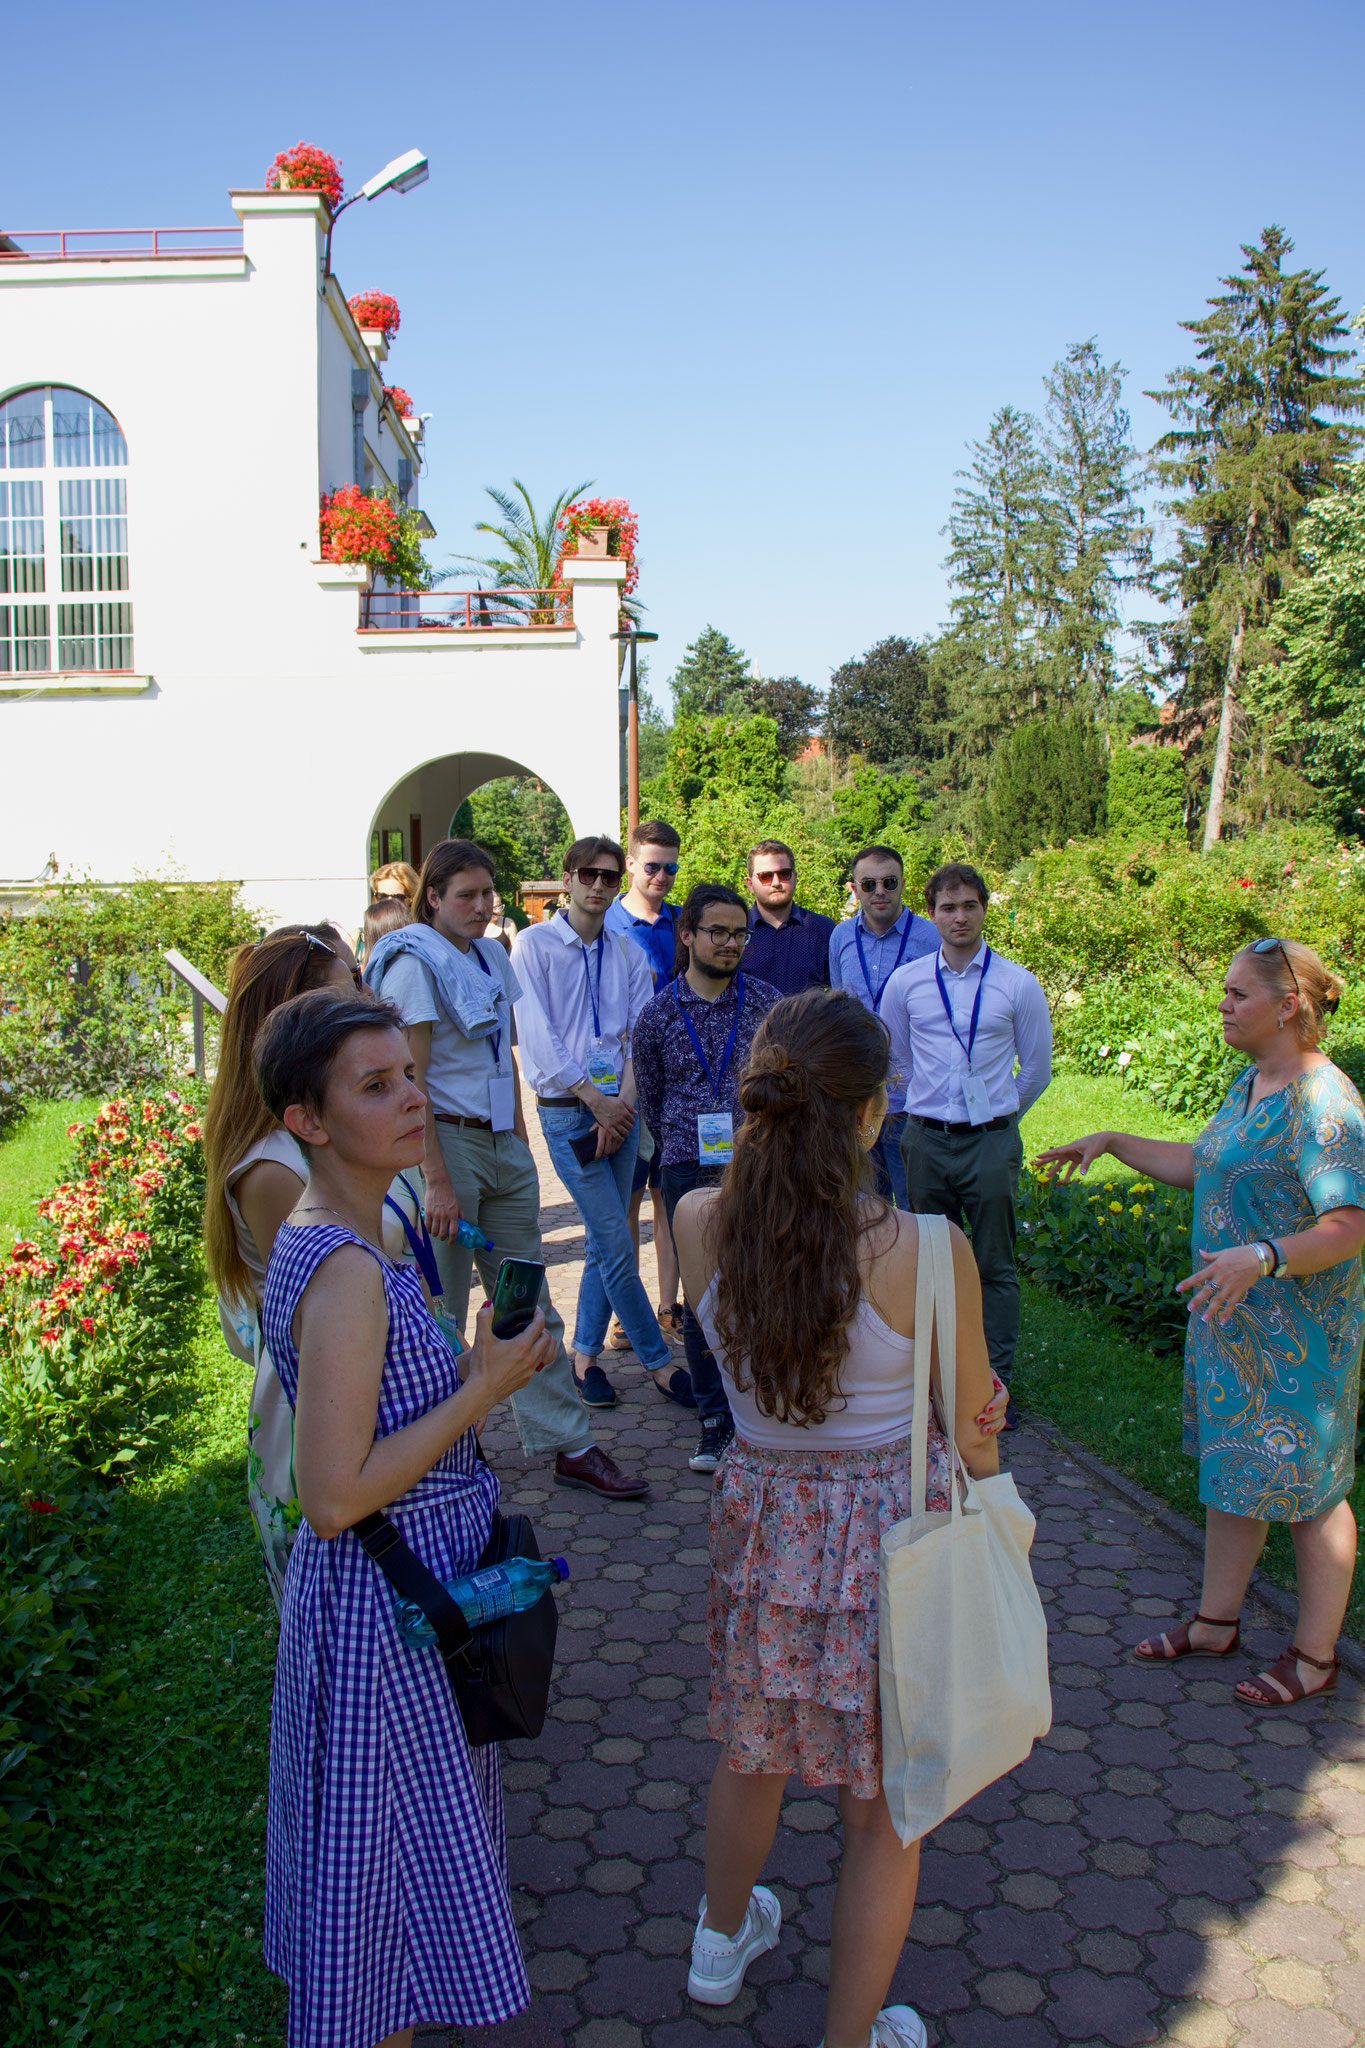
<point x="1270" y="1399"/>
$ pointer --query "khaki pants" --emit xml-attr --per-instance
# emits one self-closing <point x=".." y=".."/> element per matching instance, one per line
<point x="498" y="1189"/>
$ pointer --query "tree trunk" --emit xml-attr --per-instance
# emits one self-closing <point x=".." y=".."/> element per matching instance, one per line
<point x="1222" y="753"/>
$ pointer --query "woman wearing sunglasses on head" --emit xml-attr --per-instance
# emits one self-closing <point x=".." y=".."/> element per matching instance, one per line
<point x="1272" y="1359"/>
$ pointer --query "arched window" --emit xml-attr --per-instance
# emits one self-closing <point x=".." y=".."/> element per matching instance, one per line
<point x="63" y="535"/>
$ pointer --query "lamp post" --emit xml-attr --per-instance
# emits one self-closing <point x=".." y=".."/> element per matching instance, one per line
<point x="633" y="638"/>
<point x="401" y="175"/>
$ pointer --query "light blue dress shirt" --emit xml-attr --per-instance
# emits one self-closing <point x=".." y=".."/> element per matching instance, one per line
<point x="909" y="938"/>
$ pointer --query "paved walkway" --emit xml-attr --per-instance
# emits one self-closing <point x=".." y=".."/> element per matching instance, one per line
<point x="1167" y="1866"/>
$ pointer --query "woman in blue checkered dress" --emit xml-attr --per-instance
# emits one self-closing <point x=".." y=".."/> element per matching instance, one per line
<point x="386" y="1888"/>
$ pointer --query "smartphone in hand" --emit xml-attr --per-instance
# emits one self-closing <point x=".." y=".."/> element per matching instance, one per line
<point x="584" y="1149"/>
<point x="516" y="1295"/>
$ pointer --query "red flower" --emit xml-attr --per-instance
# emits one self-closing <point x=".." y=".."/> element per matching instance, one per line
<point x="87" y="1324"/>
<point x="190" y="1131"/>
<point x="309" y="169"/>
<point x="376" y="309"/>
<point x="614" y="513"/>
<point x="399" y="400"/>
<point x="41" y="1507"/>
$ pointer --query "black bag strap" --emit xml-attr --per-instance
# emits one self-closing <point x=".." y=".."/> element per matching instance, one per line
<point x="405" y="1571"/>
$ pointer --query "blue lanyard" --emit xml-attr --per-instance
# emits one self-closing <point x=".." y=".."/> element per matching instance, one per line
<point x="595" y="1000"/>
<point x="877" y="993"/>
<point x="494" y="1037"/>
<point x="713" y="1082"/>
<point x="421" y="1246"/>
<point x="976" y="1006"/>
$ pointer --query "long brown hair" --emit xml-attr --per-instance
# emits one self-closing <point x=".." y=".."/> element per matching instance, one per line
<point x="283" y="964"/>
<point x="788" y="1221"/>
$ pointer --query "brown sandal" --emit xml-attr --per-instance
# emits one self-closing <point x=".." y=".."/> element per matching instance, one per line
<point x="1284" y="1673"/>
<point x="1177" y="1642"/>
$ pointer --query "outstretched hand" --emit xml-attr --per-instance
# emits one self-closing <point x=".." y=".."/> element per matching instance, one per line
<point x="1076" y="1158"/>
<point x="1226" y="1277"/>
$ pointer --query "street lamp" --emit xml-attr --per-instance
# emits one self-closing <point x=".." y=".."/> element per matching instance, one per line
<point x="633" y="638"/>
<point x="405" y="172"/>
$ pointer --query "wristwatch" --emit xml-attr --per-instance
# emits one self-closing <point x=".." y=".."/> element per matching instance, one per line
<point x="1274" y="1265"/>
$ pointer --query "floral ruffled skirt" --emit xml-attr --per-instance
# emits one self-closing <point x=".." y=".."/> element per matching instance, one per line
<point x="792" y="1614"/>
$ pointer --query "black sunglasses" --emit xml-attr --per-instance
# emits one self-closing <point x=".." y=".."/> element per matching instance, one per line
<point x="310" y="940"/>
<point x="871" y="882"/>
<point x="609" y="877"/>
<point x="1266" y="946"/>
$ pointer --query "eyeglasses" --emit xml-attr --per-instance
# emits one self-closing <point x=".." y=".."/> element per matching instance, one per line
<point x="1265" y="946"/>
<point x="609" y="877"/>
<point x="723" y="935"/>
<point x="660" y="867"/>
<point x="774" y="874"/>
<point x="869" y="883"/>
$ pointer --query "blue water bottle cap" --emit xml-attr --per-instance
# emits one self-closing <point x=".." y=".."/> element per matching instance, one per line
<point x="561" y="1565"/>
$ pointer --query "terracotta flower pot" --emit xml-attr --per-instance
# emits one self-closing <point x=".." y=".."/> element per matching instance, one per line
<point x="593" y="543"/>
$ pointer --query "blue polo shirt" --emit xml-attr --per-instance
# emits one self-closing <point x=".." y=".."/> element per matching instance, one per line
<point x="792" y="956"/>
<point x="655" y="940"/>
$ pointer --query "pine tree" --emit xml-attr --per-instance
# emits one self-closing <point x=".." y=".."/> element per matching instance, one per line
<point x="712" y="679"/>
<point x="1103" y="542"/>
<point x="1047" y="785"/>
<point x="1254" y="444"/>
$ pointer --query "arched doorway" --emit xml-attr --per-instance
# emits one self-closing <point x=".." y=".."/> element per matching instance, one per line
<point x="507" y="806"/>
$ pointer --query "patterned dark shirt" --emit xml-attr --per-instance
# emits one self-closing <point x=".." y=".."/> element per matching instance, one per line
<point x="672" y="1088"/>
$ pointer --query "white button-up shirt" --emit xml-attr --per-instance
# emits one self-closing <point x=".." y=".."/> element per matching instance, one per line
<point x="1014" y="1025"/>
<point x="555" y="1008"/>
<point x="909" y="937"/>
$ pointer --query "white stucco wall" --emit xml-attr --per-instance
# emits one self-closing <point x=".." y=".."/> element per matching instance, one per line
<point x="260" y="733"/>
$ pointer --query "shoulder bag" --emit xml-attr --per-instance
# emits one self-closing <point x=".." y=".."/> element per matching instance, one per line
<point x="962" y="1643"/>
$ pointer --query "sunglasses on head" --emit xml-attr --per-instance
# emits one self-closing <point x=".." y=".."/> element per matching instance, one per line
<point x="869" y="883"/>
<point x="608" y="877"/>
<point x="1269" y="945"/>
<point x="310" y="940"/>
<point x="774" y="874"/>
<point x="657" y="867"/>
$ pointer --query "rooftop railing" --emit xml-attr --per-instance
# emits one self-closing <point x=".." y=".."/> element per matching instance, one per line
<point x="60" y="245"/>
<point x="463" y="610"/>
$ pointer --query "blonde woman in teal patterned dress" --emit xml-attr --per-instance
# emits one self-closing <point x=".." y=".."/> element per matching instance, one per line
<point x="1272" y="1359"/>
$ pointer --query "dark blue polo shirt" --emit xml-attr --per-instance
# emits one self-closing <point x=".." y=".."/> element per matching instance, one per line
<point x="792" y="956"/>
<point x="654" y="940"/>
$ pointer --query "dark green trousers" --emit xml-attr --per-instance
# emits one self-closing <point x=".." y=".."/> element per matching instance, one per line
<point x="972" y="1179"/>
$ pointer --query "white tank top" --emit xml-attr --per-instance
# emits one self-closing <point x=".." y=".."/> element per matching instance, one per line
<point x="876" y="1390"/>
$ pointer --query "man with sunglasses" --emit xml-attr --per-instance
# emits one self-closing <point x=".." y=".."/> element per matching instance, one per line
<point x="789" y="946"/>
<point x="691" y="1046"/>
<point x="582" y="992"/>
<point x="864" y="952"/>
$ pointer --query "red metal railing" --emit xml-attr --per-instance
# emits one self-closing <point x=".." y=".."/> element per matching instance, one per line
<point x="464" y="610"/>
<point x="61" y="244"/>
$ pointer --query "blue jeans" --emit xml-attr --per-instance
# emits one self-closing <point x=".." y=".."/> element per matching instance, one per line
<point x="601" y="1194"/>
<point x="704" y="1373"/>
<point x="888" y="1162"/>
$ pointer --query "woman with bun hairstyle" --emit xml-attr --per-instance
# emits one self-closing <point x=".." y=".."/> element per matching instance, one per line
<point x="1272" y="1357"/>
<point x="805" y="1288"/>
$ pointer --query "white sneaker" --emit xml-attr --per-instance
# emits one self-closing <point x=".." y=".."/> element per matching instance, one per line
<point x="898" y="2026"/>
<point x="719" y="1963"/>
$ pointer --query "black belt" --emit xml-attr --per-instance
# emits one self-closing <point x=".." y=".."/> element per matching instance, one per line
<point x="935" y="1123"/>
<point x="558" y="1102"/>
<point x="475" y="1123"/>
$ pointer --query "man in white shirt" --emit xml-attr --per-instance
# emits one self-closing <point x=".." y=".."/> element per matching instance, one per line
<point x="864" y="952"/>
<point x="959" y="1019"/>
<point x="582" y="991"/>
<point x="454" y="990"/>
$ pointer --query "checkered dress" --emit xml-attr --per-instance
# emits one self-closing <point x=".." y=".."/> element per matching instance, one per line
<point x="386" y="1891"/>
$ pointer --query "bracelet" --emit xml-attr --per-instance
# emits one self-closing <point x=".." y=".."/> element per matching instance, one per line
<point x="1266" y="1255"/>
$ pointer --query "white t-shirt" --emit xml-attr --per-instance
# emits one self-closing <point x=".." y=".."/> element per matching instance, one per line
<point x="459" y="1068"/>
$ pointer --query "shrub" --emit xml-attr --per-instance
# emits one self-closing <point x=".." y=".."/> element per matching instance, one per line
<point x="1047" y="785"/>
<point x="1147" y="794"/>
<point x="1122" y="1245"/>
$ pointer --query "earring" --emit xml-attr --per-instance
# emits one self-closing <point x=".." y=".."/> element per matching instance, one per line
<point x="867" y="1137"/>
<point x="1280" y="1025"/>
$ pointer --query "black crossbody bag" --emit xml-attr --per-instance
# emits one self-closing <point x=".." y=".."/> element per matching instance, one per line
<point x="499" y="1673"/>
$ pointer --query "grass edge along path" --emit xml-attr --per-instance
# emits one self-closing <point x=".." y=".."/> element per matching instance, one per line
<point x="157" y="1867"/>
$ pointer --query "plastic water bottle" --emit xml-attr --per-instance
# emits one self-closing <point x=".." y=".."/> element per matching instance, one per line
<point x="471" y="1237"/>
<point x="485" y="1596"/>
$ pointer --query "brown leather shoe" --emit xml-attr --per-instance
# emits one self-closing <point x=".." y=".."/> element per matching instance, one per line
<point x="597" y="1472"/>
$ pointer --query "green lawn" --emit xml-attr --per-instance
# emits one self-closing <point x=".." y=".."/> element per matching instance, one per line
<point x="1077" y="1104"/>
<point x="32" y="1157"/>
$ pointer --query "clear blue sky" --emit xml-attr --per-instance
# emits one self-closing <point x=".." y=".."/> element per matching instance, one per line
<point x="761" y="266"/>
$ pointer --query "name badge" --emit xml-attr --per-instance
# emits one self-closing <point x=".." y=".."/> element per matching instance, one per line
<point x="716" y="1138"/>
<point x="602" y="1067"/>
<point x="502" y="1101"/>
<point x="977" y="1098"/>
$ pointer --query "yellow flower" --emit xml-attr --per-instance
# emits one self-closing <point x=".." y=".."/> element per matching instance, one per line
<point x="1136" y="1209"/>
<point x="1116" y="1208"/>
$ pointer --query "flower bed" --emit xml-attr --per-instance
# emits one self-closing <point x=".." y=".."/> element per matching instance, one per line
<point x="1121" y="1245"/>
<point x="92" y="1311"/>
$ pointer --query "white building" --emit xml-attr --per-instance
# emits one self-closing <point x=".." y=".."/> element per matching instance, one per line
<point x="182" y="680"/>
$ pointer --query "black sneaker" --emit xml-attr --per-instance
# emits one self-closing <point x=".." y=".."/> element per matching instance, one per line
<point x="1013" y="1418"/>
<point x="595" y="1390"/>
<point x="715" y="1439"/>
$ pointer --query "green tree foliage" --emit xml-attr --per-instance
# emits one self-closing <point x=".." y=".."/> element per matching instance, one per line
<point x="712" y="679"/>
<point x="1259" y="433"/>
<point x="870" y="805"/>
<point x="523" y="825"/>
<point x="1101" y="539"/>
<point x="707" y="755"/>
<point x="1047" y="785"/>
<point x="1147" y="794"/>
<point x="1311" y="691"/>
<point x="527" y="557"/>
<point x="793" y="706"/>
<point x="887" y="706"/>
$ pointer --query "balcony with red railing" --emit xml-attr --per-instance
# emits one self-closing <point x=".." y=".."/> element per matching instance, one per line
<point x="105" y="245"/>
<point x="465" y="611"/>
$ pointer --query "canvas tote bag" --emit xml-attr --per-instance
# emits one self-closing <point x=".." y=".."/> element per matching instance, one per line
<point x="962" y="1634"/>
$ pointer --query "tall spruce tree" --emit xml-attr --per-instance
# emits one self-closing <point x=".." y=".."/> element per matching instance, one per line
<point x="1103" y="544"/>
<point x="1260" y="432"/>
<point x="712" y="679"/>
<point x="1004" y="547"/>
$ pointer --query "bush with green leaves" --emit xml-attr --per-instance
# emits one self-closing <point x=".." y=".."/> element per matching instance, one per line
<point x="87" y="1003"/>
<point x="1147" y="794"/>
<point x="1121" y="1245"/>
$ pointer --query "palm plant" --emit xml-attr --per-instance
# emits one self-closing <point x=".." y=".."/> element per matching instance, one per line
<point x="529" y="558"/>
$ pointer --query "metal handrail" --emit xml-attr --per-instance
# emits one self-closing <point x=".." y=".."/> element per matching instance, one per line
<point x="115" y="242"/>
<point x="202" y="991"/>
<point x="466" y="610"/>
